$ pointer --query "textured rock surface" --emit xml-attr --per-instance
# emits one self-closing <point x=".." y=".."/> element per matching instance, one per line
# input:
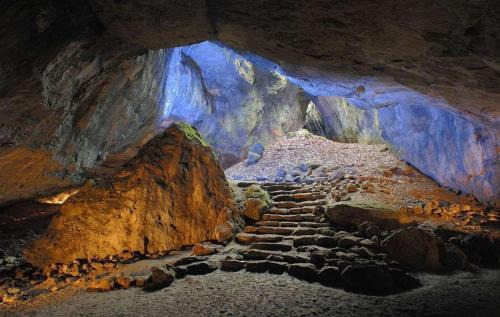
<point x="415" y="247"/>
<point x="100" y="107"/>
<point x="173" y="193"/>
<point x="354" y="213"/>
<point x="457" y="151"/>
<point x="234" y="100"/>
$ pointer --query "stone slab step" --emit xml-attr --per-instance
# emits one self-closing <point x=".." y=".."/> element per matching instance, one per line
<point x="304" y="231"/>
<point x="299" y="210"/>
<point x="275" y="187"/>
<point x="270" y="246"/>
<point x="293" y="204"/>
<point x="285" y="231"/>
<point x="269" y="230"/>
<point x="249" y="238"/>
<point x="290" y="218"/>
<point x="269" y="223"/>
<point x="273" y="223"/>
<point x="298" y="197"/>
<point x="267" y="266"/>
<point x="274" y="256"/>
<point x="317" y="240"/>
<point x="294" y="191"/>
<point x="245" y="184"/>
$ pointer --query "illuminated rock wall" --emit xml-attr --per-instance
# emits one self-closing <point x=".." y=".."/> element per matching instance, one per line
<point x="233" y="100"/>
<point x="173" y="193"/>
<point x="456" y="150"/>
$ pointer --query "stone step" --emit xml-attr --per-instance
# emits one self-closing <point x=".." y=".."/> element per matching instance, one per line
<point x="292" y="192"/>
<point x="269" y="246"/>
<point x="298" y="210"/>
<point x="245" y="184"/>
<point x="279" y="183"/>
<point x="275" y="223"/>
<point x="269" y="230"/>
<point x="317" y="240"/>
<point x="249" y="238"/>
<point x="274" y="256"/>
<point x="269" y="223"/>
<point x="285" y="231"/>
<point x="284" y="186"/>
<point x="262" y="266"/>
<point x="293" y="204"/>
<point x="301" y="231"/>
<point x="298" y="197"/>
<point x="494" y="216"/>
<point x="290" y="218"/>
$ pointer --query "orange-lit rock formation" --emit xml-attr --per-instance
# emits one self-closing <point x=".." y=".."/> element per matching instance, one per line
<point x="173" y="193"/>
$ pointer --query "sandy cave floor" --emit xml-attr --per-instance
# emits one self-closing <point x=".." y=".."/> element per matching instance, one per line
<point x="250" y="294"/>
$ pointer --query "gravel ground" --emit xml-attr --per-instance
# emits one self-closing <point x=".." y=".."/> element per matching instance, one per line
<point x="394" y="182"/>
<point x="251" y="294"/>
<point x="288" y="152"/>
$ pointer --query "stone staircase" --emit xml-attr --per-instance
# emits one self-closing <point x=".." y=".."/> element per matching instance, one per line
<point x="296" y="214"/>
<point x="294" y="237"/>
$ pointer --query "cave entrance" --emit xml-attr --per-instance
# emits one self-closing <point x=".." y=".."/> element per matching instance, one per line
<point x="270" y="124"/>
<point x="313" y="121"/>
<point x="241" y="102"/>
<point x="248" y="108"/>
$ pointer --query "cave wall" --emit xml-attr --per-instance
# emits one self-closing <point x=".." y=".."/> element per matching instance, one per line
<point x="452" y="148"/>
<point x="233" y="100"/>
<point x="344" y="122"/>
<point x="101" y="106"/>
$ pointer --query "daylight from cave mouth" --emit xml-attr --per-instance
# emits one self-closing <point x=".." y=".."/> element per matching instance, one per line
<point x="315" y="157"/>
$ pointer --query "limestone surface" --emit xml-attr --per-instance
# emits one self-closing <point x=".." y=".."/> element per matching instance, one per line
<point x="173" y="193"/>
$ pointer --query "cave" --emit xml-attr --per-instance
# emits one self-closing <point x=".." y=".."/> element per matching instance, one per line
<point x="249" y="158"/>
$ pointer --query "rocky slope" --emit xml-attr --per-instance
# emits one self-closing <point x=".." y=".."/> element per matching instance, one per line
<point x="173" y="193"/>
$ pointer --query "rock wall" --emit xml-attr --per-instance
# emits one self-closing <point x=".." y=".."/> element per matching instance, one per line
<point x="344" y="122"/>
<point x="455" y="150"/>
<point x="173" y="193"/>
<point x="233" y="100"/>
<point x="100" y="106"/>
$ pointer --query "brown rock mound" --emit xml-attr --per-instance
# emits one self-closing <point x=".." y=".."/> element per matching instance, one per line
<point x="173" y="193"/>
<point x="415" y="247"/>
<point x="353" y="213"/>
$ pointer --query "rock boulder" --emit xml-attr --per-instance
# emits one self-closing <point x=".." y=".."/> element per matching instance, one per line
<point x="414" y="247"/>
<point x="173" y="193"/>
<point x="353" y="213"/>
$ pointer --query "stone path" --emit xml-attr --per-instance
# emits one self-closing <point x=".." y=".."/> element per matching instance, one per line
<point x="294" y="237"/>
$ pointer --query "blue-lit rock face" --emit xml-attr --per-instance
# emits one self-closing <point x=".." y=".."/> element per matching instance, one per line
<point x="238" y="99"/>
<point x="456" y="148"/>
<point x="233" y="101"/>
<point x="457" y="151"/>
<point x="98" y="112"/>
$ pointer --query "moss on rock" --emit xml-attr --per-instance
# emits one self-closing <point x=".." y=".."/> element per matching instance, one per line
<point x="257" y="202"/>
<point x="191" y="133"/>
